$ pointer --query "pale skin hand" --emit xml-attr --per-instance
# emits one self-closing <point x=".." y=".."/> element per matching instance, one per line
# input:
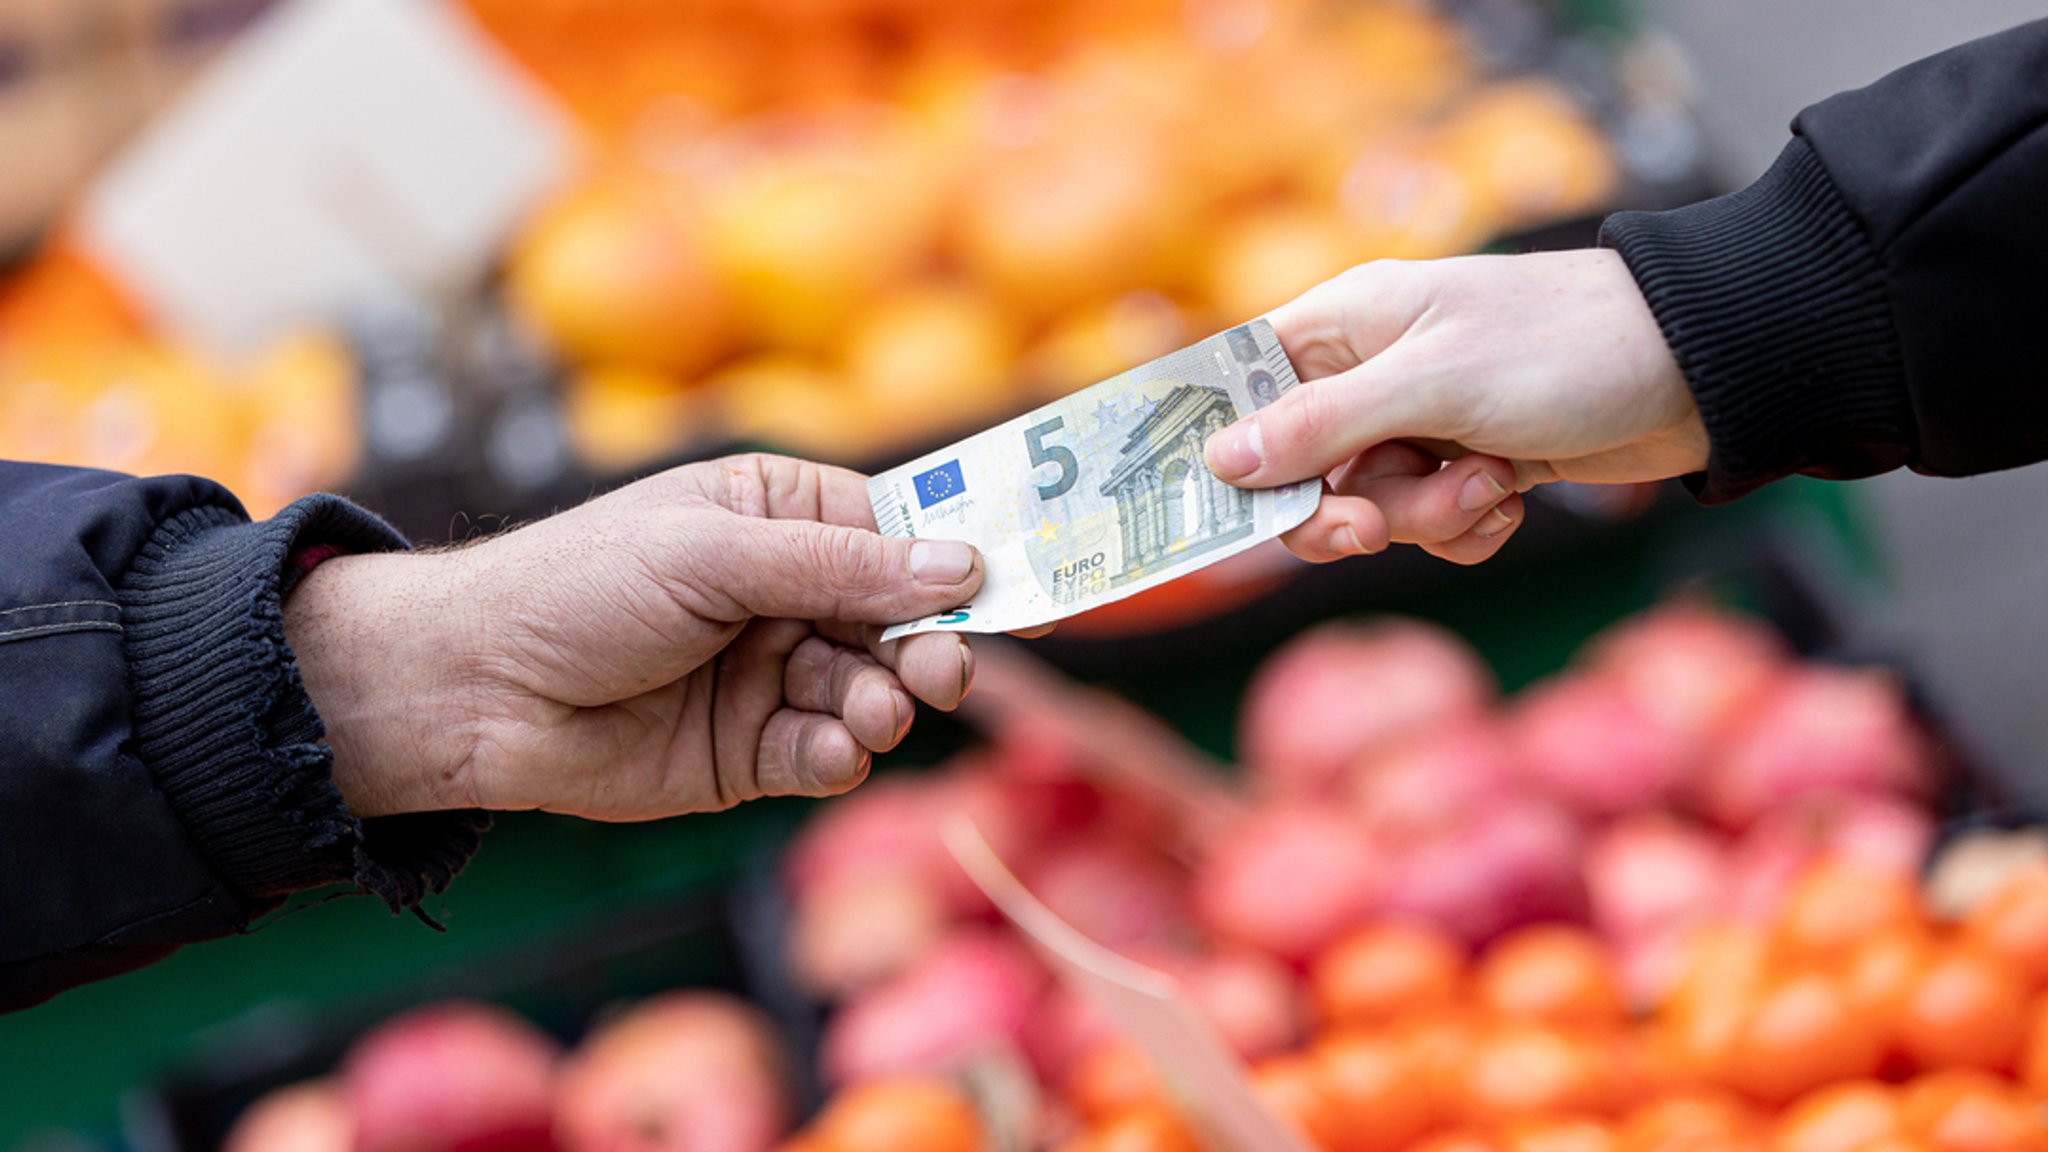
<point x="1435" y="393"/>
<point x="700" y="638"/>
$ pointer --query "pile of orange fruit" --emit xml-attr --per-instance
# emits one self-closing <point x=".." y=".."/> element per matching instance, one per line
<point x="850" y="226"/>
<point x="85" y="381"/>
<point x="1855" y="1022"/>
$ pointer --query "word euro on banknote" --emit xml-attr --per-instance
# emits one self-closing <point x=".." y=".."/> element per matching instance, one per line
<point x="1103" y="493"/>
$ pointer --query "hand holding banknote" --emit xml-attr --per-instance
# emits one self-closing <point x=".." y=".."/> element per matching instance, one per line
<point x="1435" y="392"/>
<point x="704" y="636"/>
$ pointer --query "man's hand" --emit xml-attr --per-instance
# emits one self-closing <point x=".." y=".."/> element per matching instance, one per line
<point x="702" y="637"/>
<point x="1434" y="393"/>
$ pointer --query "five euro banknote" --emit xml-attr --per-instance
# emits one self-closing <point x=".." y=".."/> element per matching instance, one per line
<point x="1103" y="493"/>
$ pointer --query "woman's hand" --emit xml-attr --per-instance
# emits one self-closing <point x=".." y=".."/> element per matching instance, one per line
<point x="1434" y="393"/>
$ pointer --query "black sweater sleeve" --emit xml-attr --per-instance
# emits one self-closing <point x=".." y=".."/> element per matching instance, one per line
<point x="162" y="775"/>
<point x="1880" y="297"/>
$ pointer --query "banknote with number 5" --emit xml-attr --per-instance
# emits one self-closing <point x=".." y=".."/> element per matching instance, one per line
<point x="1103" y="493"/>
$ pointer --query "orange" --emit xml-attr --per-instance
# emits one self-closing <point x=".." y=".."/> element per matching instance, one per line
<point x="63" y="299"/>
<point x="1112" y="1078"/>
<point x="1150" y="1129"/>
<point x="1386" y="970"/>
<point x="621" y="416"/>
<point x="1697" y="1030"/>
<point x="1641" y="1065"/>
<point x="1376" y="1090"/>
<point x="931" y="357"/>
<point x="1724" y="965"/>
<point x="2033" y="1066"/>
<point x="1411" y="52"/>
<point x="1102" y="338"/>
<point x="1966" y="1110"/>
<point x="1292" y="1089"/>
<point x="1527" y="154"/>
<point x="2013" y="925"/>
<point x="1835" y="906"/>
<point x="1438" y="1045"/>
<point x="1459" y="1140"/>
<point x="1518" y="1069"/>
<point x="1965" y="1010"/>
<point x="1554" y="973"/>
<point x="1881" y="973"/>
<point x="811" y="216"/>
<point x="1801" y="1032"/>
<point x="1401" y="199"/>
<point x="1687" y="1120"/>
<point x="304" y="433"/>
<point x="1560" y="1134"/>
<point x="793" y="402"/>
<point x="1895" y="1143"/>
<point x="1056" y="223"/>
<point x="886" y="1115"/>
<point x="1839" y="1118"/>
<point x="1261" y="259"/>
<point x="615" y="272"/>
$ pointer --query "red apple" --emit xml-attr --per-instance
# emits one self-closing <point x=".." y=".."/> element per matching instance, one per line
<point x="458" y="1076"/>
<point x="1342" y="691"/>
<point x="684" y="1072"/>
<point x="308" y="1117"/>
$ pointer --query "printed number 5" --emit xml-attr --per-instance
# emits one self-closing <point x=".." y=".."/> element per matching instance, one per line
<point x="1070" y="468"/>
<point x="957" y="616"/>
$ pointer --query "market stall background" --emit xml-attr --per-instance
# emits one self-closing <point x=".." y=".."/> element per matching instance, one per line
<point x="710" y="271"/>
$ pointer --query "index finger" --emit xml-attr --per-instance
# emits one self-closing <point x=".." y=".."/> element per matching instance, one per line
<point x="785" y="488"/>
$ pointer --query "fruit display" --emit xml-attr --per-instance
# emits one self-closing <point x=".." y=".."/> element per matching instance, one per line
<point x="1683" y="770"/>
<point x="845" y="228"/>
<point x="1670" y="898"/>
<point x="926" y="215"/>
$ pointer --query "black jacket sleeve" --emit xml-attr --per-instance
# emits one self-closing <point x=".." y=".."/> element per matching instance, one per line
<point x="1880" y="297"/>
<point x="162" y="775"/>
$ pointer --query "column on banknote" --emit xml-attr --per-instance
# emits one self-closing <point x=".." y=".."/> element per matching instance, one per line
<point x="1167" y="499"/>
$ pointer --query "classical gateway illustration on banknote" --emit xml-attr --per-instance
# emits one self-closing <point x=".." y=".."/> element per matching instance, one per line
<point x="1103" y="493"/>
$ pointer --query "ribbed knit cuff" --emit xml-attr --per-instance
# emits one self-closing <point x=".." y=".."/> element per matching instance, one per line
<point x="225" y="725"/>
<point x="1774" y="304"/>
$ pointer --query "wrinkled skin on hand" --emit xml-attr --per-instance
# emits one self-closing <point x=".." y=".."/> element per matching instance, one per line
<point x="699" y="638"/>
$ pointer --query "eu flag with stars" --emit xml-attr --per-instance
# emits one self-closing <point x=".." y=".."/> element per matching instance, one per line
<point x="939" y="484"/>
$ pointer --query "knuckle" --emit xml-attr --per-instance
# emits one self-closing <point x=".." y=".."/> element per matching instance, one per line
<point x="809" y="664"/>
<point x="1353" y="276"/>
<point x="846" y="558"/>
<point x="1309" y="419"/>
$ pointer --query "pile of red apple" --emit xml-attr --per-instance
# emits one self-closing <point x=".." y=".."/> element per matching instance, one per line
<point x="686" y="1071"/>
<point x="1682" y="772"/>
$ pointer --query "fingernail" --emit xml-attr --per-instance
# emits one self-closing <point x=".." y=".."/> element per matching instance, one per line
<point x="1492" y="524"/>
<point x="905" y="713"/>
<point x="1237" y="450"/>
<point x="941" y="561"/>
<point x="966" y="667"/>
<point x="1481" y="491"/>
<point x="1345" y="542"/>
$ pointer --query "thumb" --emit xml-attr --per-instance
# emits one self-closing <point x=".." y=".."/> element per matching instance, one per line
<point x="1316" y="426"/>
<point x="806" y="570"/>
